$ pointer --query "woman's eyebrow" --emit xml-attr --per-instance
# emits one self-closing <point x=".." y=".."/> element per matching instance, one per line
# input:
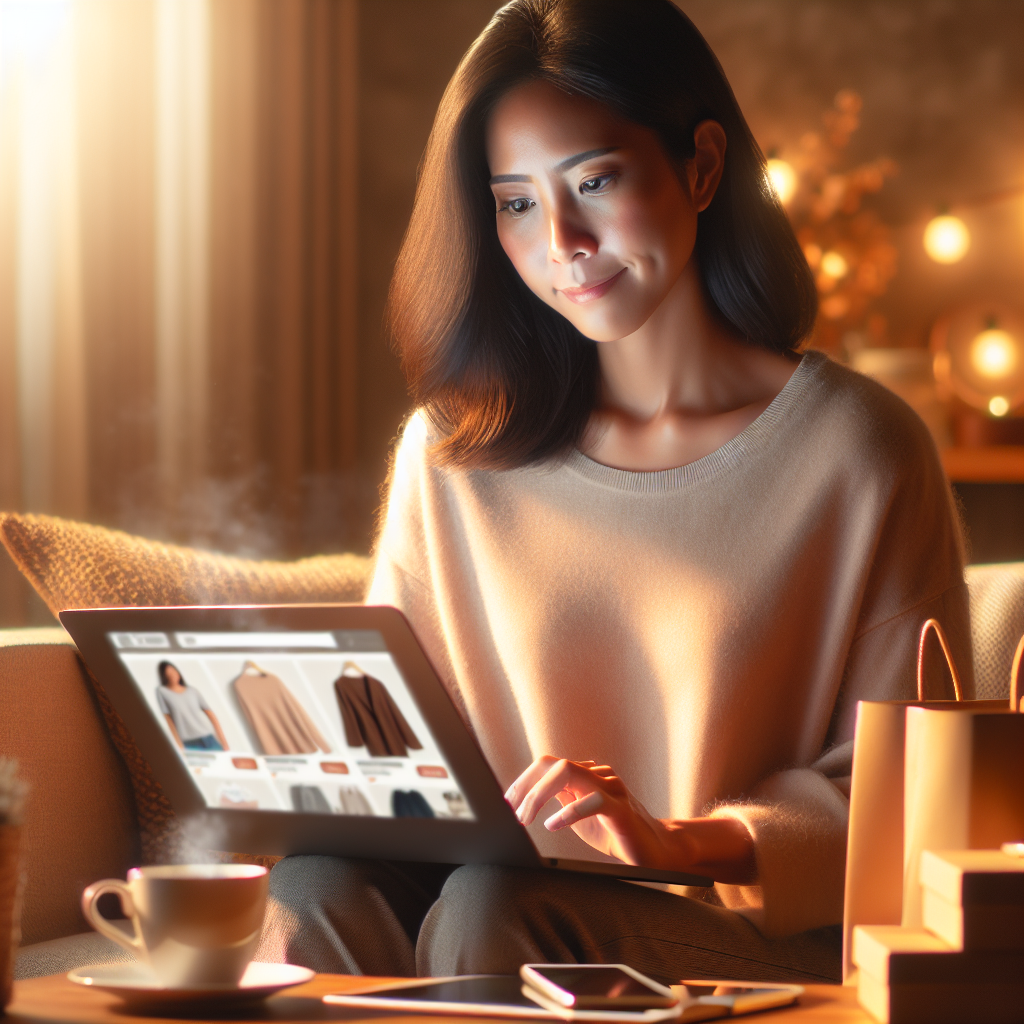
<point x="569" y="163"/>
<point x="566" y="165"/>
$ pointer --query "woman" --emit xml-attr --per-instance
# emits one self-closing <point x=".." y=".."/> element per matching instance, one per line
<point x="193" y="725"/>
<point x="656" y="555"/>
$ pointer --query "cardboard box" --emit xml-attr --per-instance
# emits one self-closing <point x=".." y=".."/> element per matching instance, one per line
<point x="939" y="1003"/>
<point x="974" y="877"/>
<point x="894" y="955"/>
<point x="977" y="927"/>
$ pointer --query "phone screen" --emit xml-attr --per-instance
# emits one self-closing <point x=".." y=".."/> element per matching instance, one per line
<point x="603" y="987"/>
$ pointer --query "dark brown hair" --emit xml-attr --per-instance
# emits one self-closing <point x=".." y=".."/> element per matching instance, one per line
<point x="505" y="379"/>
<point x="162" y="672"/>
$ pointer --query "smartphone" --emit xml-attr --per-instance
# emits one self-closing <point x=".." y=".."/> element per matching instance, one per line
<point x="734" y="998"/>
<point x="596" y="987"/>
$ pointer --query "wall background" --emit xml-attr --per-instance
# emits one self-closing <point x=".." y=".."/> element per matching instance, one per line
<point x="943" y="89"/>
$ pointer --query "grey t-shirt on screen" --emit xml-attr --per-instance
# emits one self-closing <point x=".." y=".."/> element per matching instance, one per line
<point x="187" y="712"/>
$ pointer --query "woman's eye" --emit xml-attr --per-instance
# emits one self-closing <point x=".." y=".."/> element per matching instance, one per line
<point x="516" y="207"/>
<point x="592" y="185"/>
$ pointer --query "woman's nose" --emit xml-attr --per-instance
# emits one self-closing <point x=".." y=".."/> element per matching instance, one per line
<point x="569" y="238"/>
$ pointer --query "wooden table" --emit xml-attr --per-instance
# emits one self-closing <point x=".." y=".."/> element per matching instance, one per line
<point x="55" y="1000"/>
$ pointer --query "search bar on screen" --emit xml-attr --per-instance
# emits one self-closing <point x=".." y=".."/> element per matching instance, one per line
<point x="254" y="641"/>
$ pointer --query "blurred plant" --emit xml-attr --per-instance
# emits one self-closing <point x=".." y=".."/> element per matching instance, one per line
<point x="848" y="248"/>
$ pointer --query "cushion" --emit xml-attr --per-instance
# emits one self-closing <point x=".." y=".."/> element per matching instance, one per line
<point x="997" y="624"/>
<point x="77" y="565"/>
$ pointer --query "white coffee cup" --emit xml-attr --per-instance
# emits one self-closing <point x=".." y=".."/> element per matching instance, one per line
<point x="192" y="924"/>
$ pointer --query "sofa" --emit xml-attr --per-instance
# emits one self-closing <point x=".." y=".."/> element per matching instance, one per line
<point x="94" y="810"/>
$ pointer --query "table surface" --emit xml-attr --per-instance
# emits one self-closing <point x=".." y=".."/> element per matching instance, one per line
<point x="56" y="1000"/>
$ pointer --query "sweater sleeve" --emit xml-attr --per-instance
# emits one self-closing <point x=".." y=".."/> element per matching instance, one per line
<point x="798" y="816"/>
<point x="402" y="572"/>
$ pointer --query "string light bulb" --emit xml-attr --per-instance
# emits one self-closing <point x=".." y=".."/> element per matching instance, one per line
<point x="994" y="353"/>
<point x="979" y="357"/>
<point x="834" y="265"/>
<point x="782" y="178"/>
<point x="946" y="239"/>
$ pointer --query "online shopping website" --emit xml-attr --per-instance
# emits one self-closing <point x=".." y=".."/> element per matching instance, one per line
<point x="317" y="722"/>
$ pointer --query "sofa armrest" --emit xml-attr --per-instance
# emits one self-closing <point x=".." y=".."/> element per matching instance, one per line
<point x="80" y="821"/>
<point x="35" y="636"/>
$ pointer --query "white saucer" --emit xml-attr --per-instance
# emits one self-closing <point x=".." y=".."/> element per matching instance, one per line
<point x="136" y="985"/>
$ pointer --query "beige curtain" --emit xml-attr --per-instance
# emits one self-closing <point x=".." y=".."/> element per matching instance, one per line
<point x="178" y="275"/>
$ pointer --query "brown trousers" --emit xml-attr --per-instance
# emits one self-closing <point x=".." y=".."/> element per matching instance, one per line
<point x="391" y="918"/>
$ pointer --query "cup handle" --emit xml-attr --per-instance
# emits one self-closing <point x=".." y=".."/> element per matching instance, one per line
<point x="133" y="943"/>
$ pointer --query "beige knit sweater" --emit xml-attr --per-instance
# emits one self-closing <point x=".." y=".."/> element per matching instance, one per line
<point x="705" y="630"/>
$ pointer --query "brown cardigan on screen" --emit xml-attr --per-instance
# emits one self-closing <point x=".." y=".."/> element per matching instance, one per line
<point x="372" y="719"/>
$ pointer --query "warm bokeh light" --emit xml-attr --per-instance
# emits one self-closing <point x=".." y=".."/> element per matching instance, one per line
<point x="979" y="356"/>
<point x="994" y="353"/>
<point x="783" y="179"/>
<point x="946" y="239"/>
<point x="834" y="265"/>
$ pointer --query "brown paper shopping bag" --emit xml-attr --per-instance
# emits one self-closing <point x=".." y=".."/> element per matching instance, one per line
<point x="875" y="843"/>
<point x="963" y="787"/>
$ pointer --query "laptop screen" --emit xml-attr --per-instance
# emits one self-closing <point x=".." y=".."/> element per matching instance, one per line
<point x="312" y="722"/>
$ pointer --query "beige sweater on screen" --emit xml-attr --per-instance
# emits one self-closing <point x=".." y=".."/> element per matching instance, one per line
<point x="705" y="630"/>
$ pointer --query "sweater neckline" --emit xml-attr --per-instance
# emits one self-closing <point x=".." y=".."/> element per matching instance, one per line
<point x="757" y="433"/>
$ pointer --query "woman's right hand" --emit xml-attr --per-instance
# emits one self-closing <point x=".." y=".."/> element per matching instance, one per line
<point x="597" y="806"/>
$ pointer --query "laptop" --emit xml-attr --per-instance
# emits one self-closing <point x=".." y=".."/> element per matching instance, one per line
<point x="309" y="729"/>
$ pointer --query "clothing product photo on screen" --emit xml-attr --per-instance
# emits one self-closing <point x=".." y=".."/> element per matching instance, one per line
<point x="280" y="722"/>
<point x="186" y="709"/>
<point x="353" y="801"/>
<point x="309" y="800"/>
<point x="410" y="804"/>
<point x="370" y="715"/>
<point x="237" y="798"/>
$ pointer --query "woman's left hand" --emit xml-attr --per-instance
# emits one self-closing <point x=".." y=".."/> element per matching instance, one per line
<point x="599" y="808"/>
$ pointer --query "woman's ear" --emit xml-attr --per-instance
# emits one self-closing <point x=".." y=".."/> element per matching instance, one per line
<point x="704" y="168"/>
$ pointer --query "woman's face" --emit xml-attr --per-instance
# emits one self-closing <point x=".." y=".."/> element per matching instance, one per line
<point x="171" y="676"/>
<point x="591" y="212"/>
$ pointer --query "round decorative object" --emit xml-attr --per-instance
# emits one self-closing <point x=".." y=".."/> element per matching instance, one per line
<point x="946" y="239"/>
<point x="979" y="356"/>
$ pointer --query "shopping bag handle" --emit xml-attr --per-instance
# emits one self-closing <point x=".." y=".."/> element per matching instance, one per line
<point x="1015" y="693"/>
<point x="933" y="624"/>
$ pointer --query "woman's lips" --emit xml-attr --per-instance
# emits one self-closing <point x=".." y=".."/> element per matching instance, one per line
<point x="591" y="291"/>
